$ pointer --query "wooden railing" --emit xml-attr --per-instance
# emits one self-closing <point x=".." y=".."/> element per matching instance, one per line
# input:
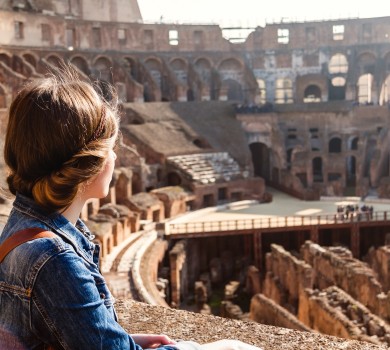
<point x="273" y="222"/>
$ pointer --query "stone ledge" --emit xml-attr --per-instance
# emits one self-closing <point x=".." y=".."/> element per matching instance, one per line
<point x="138" y="317"/>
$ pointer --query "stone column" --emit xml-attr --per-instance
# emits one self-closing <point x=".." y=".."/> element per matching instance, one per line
<point x="177" y="258"/>
<point x="257" y="249"/>
<point x="314" y="234"/>
<point x="355" y="240"/>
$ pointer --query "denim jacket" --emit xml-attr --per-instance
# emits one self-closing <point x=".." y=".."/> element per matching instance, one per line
<point x="51" y="290"/>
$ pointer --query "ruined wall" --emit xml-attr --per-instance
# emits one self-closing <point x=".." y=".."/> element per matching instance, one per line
<point x="332" y="311"/>
<point x="335" y="266"/>
<point x="286" y="276"/>
<point x="379" y="260"/>
<point x="178" y="268"/>
<point x="265" y="311"/>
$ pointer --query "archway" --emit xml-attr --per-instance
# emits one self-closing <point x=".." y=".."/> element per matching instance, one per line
<point x="132" y="67"/>
<point x="365" y="88"/>
<point x="233" y="90"/>
<point x="103" y="68"/>
<point x="338" y="63"/>
<point x="261" y="159"/>
<point x="5" y="59"/>
<point x="312" y="94"/>
<point x="30" y="59"/>
<point x="174" y="179"/>
<point x="154" y="69"/>
<point x="55" y="60"/>
<point x="203" y="68"/>
<point x="81" y="64"/>
<point x="317" y="169"/>
<point x="384" y="96"/>
<point x="179" y="66"/>
<point x="334" y="145"/>
<point x="353" y="143"/>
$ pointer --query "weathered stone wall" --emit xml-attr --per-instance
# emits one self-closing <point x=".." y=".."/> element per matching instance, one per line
<point x="151" y="261"/>
<point x="379" y="260"/>
<point x="332" y="311"/>
<point x="290" y="275"/>
<point x="178" y="267"/>
<point x="265" y="311"/>
<point x="335" y="266"/>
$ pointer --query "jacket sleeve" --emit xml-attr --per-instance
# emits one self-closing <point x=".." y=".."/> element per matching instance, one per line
<point x="68" y="312"/>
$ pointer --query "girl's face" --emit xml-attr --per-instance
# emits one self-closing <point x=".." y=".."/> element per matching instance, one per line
<point x="100" y="185"/>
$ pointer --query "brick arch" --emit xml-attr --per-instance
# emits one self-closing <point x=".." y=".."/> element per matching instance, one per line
<point x="232" y="79"/>
<point x="153" y="87"/>
<point x="100" y="58"/>
<point x="81" y="63"/>
<point x="103" y="68"/>
<point x="132" y="65"/>
<point x="31" y="58"/>
<point x="353" y="142"/>
<point x="203" y="63"/>
<point x="366" y="90"/>
<point x="178" y="63"/>
<point x="338" y="63"/>
<point x="231" y="63"/>
<point x="180" y="69"/>
<point x="335" y="144"/>
<point x="312" y="93"/>
<point x="203" y="66"/>
<point x="366" y="55"/>
<point x="384" y="96"/>
<point x="153" y="63"/>
<point x="366" y="62"/>
<point x="311" y="84"/>
<point x="6" y="57"/>
<point x="231" y="90"/>
<point x="54" y="59"/>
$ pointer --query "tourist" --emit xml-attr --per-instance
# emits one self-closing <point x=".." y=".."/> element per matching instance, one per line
<point x="59" y="149"/>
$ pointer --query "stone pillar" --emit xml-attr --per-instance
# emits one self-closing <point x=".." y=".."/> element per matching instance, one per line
<point x="253" y="280"/>
<point x="177" y="258"/>
<point x="355" y="240"/>
<point x="314" y="234"/>
<point x="257" y="249"/>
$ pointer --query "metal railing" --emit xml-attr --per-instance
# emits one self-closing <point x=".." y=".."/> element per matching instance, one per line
<point x="273" y="222"/>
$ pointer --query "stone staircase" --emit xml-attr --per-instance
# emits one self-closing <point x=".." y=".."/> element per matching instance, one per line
<point x="207" y="168"/>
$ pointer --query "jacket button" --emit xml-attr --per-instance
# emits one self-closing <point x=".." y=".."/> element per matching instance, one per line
<point x="102" y="295"/>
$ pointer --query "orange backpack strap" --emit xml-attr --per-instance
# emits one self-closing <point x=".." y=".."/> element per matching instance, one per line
<point x="21" y="237"/>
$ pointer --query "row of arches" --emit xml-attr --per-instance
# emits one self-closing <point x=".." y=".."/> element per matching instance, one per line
<point x="227" y="79"/>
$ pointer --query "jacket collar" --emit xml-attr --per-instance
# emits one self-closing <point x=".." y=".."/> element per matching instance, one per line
<point x="77" y="235"/>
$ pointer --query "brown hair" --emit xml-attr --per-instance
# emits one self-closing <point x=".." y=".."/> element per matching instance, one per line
<point x="59" y="133"/>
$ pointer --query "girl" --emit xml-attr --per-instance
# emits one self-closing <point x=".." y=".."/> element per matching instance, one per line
<point x="59" y="150"/>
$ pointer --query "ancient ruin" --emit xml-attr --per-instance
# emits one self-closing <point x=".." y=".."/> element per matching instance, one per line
<point x="300" y="106"/>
